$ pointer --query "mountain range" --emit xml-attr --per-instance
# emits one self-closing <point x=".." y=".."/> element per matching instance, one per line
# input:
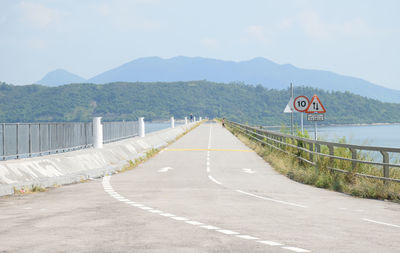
<point x="256" y="71"/>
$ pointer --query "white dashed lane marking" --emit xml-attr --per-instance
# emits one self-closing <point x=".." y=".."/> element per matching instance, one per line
<point x="112" y="193"/>
<point x="296" y="249"/>
<point x="273" y="200"/>
<point x="381" y="223"/>
<point x="248" y="237"/>
<point x="271" y="243"/>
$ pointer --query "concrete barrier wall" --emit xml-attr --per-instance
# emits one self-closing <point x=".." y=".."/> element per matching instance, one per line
<point x="75" y="166"/>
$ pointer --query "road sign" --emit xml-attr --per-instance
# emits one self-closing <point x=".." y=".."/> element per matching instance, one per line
<point x="315" y="117"/>
<point x="301" y="103"/>
<point x="315" y="106"/>
<point x="289" y="106"/>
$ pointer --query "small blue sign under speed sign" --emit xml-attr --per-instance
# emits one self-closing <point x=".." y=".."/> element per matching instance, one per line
<point x="301" y="103"/>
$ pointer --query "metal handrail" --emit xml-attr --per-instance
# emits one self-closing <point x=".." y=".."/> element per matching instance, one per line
<point x="279" y="139"/>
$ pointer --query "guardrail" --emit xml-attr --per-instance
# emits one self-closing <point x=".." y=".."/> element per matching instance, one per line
<point x="339" y="157"/>
<point x="22" y="140"/>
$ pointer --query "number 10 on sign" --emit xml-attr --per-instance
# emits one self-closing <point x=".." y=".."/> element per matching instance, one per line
<point x="300" y="104"/>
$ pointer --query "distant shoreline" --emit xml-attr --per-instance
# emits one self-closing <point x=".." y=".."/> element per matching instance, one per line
<point x="329" y="125"/>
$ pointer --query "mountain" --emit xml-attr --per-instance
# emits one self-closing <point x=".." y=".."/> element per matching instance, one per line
<point x="60" y="77"/>
<point x="128" y="101"/>
<point x="255" y="71"/>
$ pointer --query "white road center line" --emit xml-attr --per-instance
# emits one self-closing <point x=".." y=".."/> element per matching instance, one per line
<point x="145" y="208"/>
<point x="273" y="200"/>
<point x="227" y="232"/>
<point x="196" y="223"/>
<point x="270" y="243"/>
<point x="209" y="227"/>
<point x="248" y="237"/>
<point x="167" y="214"/>
<point x="166" y="169"/>
<point x="180" y="218"/>
<point x="381" y="223"/>
<point x="214" y="180"/>
<point x="250" y="171"/>
<point x="296" y="249"/>
<point x="108" y="188"/>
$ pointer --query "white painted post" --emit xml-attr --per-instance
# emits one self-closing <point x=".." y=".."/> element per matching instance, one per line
<point x="200" y="118"/>
<point x="194" y="118"/>
<point x="172" y="122"/>
<point x="97" y="133"/>
<point x="186" y="122"/>
<point x="142" y="131"/>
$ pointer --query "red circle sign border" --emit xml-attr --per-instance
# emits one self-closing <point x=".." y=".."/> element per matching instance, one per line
<point x="294" y="103"/>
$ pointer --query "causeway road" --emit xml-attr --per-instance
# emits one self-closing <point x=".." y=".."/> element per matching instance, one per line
<point x="207" y="192"/>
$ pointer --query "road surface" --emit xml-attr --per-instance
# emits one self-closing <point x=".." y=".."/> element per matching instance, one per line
<point x="207" y="192"/>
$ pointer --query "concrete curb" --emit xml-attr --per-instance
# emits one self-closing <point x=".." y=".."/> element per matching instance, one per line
<point x="76" y="166"/>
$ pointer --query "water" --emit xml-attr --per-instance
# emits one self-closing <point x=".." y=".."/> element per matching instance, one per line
<point x="157" y="126"/>
<point x="371" y="135"/>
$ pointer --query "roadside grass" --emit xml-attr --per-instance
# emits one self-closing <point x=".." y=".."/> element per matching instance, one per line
<point x="29" y="190"/>
<point x="322" y="177"/>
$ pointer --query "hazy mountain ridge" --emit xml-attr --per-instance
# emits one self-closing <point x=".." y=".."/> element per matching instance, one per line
<point x="59" y="77"/>
<point x="256" y="71"/>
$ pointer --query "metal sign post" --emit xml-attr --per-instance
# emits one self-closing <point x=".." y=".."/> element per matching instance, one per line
<point x="316" y="113"/>
<point x="315" y="131"/>
<point x="302" y="126"/>
<point x="291" y="114"/>
<point x="301" y="104"/>
<point x="289" y="109"/>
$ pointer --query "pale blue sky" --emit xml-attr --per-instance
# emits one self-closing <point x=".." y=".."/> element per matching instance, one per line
<point x="359" y="38"/>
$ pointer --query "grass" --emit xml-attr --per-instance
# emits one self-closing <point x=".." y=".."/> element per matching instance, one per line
<point x="322" y="177"/>
<point x="29" y="190"/>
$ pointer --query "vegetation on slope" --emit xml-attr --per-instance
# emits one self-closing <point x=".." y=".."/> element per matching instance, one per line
<point x="128" y="101"/>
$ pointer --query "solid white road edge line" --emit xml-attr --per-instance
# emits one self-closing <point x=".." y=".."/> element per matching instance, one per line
<point x="274" y="200"/>
<point x="381" y="223"/>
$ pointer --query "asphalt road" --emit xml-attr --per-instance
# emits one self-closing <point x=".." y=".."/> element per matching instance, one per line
<point x="207" y="192"/>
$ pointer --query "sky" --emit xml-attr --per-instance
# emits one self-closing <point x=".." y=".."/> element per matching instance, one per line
<point x="359" y="38"/>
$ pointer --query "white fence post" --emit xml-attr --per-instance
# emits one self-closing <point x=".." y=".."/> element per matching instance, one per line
<point x="194" y="119"/>
<point x="97" y="133"/>
<point x="142" y="131"/>
<point x="172" y="122"/>
<point x="186" y="121"/>
<point x="200" y="118"/>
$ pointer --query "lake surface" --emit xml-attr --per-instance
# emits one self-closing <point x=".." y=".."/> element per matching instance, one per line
<point x="371" y="135"/>
<point x="157" y="126"/>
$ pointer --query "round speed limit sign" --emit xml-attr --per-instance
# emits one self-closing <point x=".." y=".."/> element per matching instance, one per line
<point x="301" y="103"/>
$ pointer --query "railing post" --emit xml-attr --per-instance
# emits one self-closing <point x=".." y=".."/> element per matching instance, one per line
<point x="4" y="141"/>
<point x="30" y="140"/>
<point x="172" y="122"/>
<point x="186" y="122"/>
<point x="311" y="148"/>
<point x="142" y="131"/>
<point x="353" y="156"/>
<point x="17" y="137"/>
<point x="194" y="118"/>
<point x="317" y="156"/>
<point x="97" y="133"/>
<point x="200" y="118"/>
<point x="332" y="153"/>
<point x="385" y="156"/>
